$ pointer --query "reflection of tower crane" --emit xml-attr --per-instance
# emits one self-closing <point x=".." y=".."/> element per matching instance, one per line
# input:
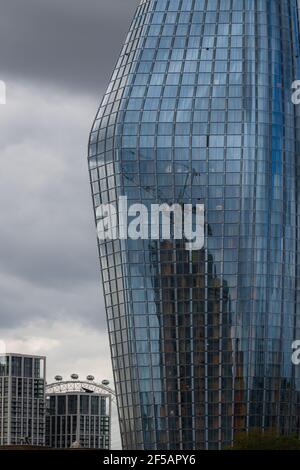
<point x="158" y="195"/>
<point x="191" y="174"/>
<point x="148" y="189"/>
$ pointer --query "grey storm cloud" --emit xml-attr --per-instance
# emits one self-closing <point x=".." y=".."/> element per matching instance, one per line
<point x="73" y="43"/>
<point x="49" y="267"/>
<point x="56" y="57"/>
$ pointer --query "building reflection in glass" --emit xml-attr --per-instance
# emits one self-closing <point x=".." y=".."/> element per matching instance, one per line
<point x="199" y="110"/>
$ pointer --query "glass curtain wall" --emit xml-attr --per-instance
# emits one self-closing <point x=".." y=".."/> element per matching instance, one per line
<point x="199" y="110"/>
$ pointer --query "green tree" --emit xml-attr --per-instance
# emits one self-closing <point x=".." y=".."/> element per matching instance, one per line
<point x="268" y="440"/>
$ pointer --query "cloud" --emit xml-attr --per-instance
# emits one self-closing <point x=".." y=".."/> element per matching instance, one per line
<point x="70" y="347"/>
<point x="56" y="59"/>
<point x="49" y="266"/>
<point x="32" y="345"/>
<point x="71" y="43"/>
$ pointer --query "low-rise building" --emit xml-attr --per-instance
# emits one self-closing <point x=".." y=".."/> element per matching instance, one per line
<point x="78" y="414"/>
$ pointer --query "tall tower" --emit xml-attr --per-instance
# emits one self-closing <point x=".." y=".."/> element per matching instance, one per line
<point x="199" y="110"/>
<point x="22" y="400"/>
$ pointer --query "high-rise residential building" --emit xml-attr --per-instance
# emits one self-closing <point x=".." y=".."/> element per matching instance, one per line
<point x="78" y="414"/>
<point x="22" y="400"/>
<point x="199" y="110"/>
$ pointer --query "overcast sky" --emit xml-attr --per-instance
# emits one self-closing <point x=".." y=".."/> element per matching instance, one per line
<point x="56" y="57"/>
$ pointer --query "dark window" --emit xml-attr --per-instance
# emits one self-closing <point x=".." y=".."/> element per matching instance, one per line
<point x="84" y="404"/>
<point x="72" y="404"/>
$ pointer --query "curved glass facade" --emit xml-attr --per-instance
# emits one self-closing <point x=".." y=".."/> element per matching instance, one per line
<point x="199" y="110"/>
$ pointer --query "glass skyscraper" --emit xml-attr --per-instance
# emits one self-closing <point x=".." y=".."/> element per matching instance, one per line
<point x="199" y="110"/>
